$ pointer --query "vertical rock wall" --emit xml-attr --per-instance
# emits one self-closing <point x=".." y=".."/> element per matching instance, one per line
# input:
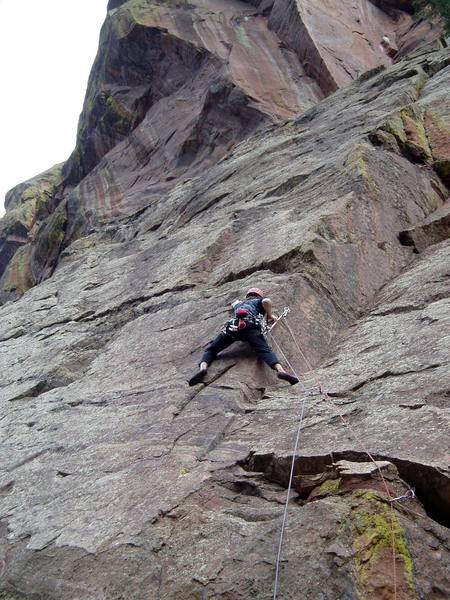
<point x="175" y="86"/>
<point x="117" y="480"/>
<point x="120" y="481"/>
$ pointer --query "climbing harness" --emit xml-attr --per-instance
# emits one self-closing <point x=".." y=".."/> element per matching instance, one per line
<point x="243" y="321"/>
<point x="315" y="390"/>
<point x="245" y="316"/>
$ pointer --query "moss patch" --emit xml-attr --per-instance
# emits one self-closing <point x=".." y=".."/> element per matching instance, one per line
<point x="28" y="202"/>
<point x="376" y="530"/>
<point x="18" y="277"/>
<point x="358" y="163"/>
<point x="331" y="486"/>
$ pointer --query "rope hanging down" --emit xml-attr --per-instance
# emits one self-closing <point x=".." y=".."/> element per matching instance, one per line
<point x="291" y="474"/>
<point x="307" y="393"/>
<point x="268" y="332"/>
<point x="361" y="444"/>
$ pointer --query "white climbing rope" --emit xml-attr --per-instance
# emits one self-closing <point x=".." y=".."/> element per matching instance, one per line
<point x="391" y="500"/>
<point x="286" y="506"/>
<point x="294" y="454"/>
<point x="312" y="391"/>
<point x="317" y="389"/>
<point x="266" y="328"/>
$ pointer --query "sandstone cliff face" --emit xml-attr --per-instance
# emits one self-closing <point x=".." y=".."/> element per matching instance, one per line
<point x="118" y="481"/>
<point x="174" y="87"/>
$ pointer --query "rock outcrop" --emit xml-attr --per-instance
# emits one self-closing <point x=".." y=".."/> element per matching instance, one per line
<point x="175" y="86"/>
<point x="119" y="481"/>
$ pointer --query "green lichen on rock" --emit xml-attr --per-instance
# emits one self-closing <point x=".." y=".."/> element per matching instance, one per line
<point x="434" y="8"/>
<point x="131" y="14"/>
<point x="405" y="133"/>
<point x="443" y="169"/>
<point x="38" y="188"/>
<point x="11" y="596"/>
<point x="27" y="206"/>
<point x="377" y="534"/>
<point x="395" y="127"/>
<point x="83" y="245"/>
<point x="28" y="202"/>
<point x="18" y="277"/>
<point x="36" y="260"/>
<point x="416" y="137"/>
<point x="438" y="133"/>
<point x="18" y="219"/>
<point x="414" y="123"/>
<point x="357" y="163"/>
<point x="51" y="235"/>
<point x="143" y="12"/>
<point x="331" y="486"/>
<point x="242" y="36"/>
<point x="119" y="118"/>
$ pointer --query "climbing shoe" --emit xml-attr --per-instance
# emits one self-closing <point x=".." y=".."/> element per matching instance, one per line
<point x="287" y="377"/>
<point x="198" y="377"/>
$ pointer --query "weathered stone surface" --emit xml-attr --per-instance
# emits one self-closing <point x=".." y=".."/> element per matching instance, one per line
<point x="179" y="66"/>
<point x="176" y="85"/>
<point x="346" y="467"/>
<point x="27" y="205"/>
<point x="411" y="34"/>
<point x="336" y="42"/>
<point x="119" y="481"/>
<point x="433" y="230"/>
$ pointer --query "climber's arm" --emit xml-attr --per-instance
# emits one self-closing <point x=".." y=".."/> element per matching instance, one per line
<point x="267" y="304"/>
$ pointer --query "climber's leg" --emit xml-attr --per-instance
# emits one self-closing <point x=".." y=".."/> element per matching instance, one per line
<point x="258" y="342"/>
<point x="222" y="341"/>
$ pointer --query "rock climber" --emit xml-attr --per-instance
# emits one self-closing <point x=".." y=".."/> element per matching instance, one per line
<point x="245" y="326"/>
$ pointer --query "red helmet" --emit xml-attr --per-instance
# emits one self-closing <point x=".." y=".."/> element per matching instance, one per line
<point x="255" y="292"/>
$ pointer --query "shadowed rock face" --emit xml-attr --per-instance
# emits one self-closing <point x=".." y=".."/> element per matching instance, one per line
<point x="186" y="188"/>
<point x="406" y="5"/>
<point x="27" y="205"/>
<point x="118" y="480"/>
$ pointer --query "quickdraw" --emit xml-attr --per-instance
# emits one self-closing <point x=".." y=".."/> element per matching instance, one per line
<point x="266" y="328"/>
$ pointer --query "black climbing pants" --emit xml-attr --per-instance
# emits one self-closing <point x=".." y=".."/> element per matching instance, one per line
<point x="252" y="336"/>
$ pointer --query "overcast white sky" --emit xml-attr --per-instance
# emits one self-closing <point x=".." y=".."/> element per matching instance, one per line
<point x="47" y="48"/>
